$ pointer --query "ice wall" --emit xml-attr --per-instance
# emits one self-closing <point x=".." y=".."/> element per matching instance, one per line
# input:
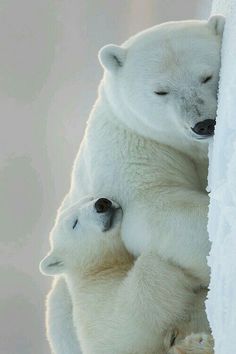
<point x="221" y="303"/>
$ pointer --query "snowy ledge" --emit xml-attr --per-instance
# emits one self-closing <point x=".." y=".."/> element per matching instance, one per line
<point x="221" y="303"/>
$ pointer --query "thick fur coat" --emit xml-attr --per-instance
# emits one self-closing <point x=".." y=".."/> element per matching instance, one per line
<point x="115" y="298"/>
<point x="140" y="149"/>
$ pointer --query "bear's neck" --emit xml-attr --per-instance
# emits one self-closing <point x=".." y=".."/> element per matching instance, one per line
<point x="104" y="113"/>
<point x="101" y="261"/>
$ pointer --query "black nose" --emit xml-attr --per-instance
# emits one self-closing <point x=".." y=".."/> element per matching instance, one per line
<point x="103" y="205"/>
<point x="206" y="127"/>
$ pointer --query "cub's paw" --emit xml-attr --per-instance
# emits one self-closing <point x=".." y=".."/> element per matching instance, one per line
<point x="199" y="343"/>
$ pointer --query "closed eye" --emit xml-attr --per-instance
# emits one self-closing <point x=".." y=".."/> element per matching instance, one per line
<point x="75" y="224"/>
<point x="206" y="79"/>
<point x="173" y="338"/>
<point x="58" y="263"/>
<point x="161" y="93"/>
<point x="172" y="341"/>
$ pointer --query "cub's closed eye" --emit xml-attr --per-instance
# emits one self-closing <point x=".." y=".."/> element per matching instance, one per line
<point x="206" y="79"/>
<point x="75" y="224"/>
<point x="161" y="93"/>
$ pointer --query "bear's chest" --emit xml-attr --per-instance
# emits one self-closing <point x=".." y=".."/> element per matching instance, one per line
<point x="121" y="165"/>
<point x="116" y="172"/>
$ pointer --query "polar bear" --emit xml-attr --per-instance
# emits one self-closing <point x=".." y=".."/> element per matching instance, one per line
<point x="145" y="146"/>
<point x="116" y="307"/>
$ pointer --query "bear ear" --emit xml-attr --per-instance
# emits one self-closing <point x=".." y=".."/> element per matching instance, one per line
<point x="51" y="265"/>
<point x="217" y="22"/>
<point x="112" y="57"/>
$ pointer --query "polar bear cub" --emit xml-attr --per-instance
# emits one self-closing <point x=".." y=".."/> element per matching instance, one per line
<point x="116" y="305"/>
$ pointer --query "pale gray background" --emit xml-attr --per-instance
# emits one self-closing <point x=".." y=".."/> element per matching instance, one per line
<point x="49" y="75"/>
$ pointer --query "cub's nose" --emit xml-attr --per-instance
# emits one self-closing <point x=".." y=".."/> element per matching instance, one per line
<point x="206" y="127"/>
<point x="103" y="205"/>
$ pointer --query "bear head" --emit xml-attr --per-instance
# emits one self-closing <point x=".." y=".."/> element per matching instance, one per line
<point x="163" y="82"/>
<point x="81" y="234"/>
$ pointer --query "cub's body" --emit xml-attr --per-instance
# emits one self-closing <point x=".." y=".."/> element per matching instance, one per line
<point x="121" y="305"/>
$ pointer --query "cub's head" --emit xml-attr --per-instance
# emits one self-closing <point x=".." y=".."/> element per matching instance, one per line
<point x="162" y="83"/>
<point x="82" y="234"/>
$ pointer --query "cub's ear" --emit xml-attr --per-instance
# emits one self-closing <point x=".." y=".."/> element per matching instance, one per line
<point x="112" y="57"/>
<point x="51" y="265"/>
<point x="217" y="22"/>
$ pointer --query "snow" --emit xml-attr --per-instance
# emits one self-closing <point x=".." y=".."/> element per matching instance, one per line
<point x="221" y="303"/>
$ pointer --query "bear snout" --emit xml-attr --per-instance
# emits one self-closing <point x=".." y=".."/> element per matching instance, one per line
<point x="110" y="213"/>
<point x="204" y="128"/>
<point x="103" y="205"/>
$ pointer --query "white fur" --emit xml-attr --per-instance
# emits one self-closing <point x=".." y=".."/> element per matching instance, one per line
<point x="139" y="148"/>
<point x="61" y="334"/>
<point x="119" y="306"/>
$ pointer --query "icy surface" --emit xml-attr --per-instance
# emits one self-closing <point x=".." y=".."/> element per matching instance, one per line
<point x="221" y="303"/>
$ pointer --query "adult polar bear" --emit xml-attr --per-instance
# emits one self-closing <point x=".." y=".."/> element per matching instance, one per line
<point x="146" y="147"/>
